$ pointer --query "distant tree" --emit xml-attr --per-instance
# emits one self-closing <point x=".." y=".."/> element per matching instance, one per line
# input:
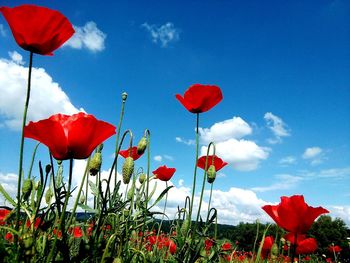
<point x="328" y="232"/>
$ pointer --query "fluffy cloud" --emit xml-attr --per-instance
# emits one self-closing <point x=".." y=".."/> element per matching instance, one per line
<point x="241" y="154"/>
<point x="158" y="158"/>
<point x="277" y="126"/>
<point x="187" y="142"/>
<point x="87" y="36"/>
<point x="288" y="160"/>
<point x="314" y="154"/>
<point x="47" y="97"/>
<point x="227" y="129"/>
<point x="9" y="183"/>
<point x="163" y="34"/>
<point x="16" y="57"/>
<point x="284" y="181"/>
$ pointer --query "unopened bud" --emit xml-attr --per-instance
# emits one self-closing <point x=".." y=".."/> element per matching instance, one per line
<point x="127" y="169"/>
<point x="48" y="196"/>
<point x="27" y="188"/>
<point x="211" y="174"/>
<point x="185" y="227"/>
<point x="141" y="146"/>
<point x="82" y="199"/>
<point x="274" y="250"/>
<point x="124" y="96"/>
<point x="47" y="168"/>
<point x="95" y="163"/>
<point x="36" y="185"/>
<point x="142" y="178"/>
<point x="131" y="192"/>
<point x="117" y="260"/>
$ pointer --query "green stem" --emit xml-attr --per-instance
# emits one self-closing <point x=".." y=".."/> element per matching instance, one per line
<point x="62" y="223"/>
<point x="161" y="222"/>
<point x="118" y="135"/>
<point x="22" y="148"/>
<point x="211" y="192"/>
<point x="195" y="166"/>
<point x="32" y="162"/>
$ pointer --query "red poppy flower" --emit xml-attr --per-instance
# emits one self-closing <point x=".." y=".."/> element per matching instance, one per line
<point x="38" y="29"/>
<point x="74" y="136"/>
<point x="293" y="214"/>
<point x="208" y="244"/>
<point x="266" y="248"/>
<point x="164" y="173"/>
<point x="77" y="232"/>
<point x="218" y="162"/>
<point x="38" y="222"/>
<point x="9" y="236"/>
<point x="334" y="249"/>
<point x="200" y="98"/>
<point x="3" y="214"/>
<point x="58" y="233"/>
<point x="304" y="245"/>
<point x="226" y="246"/>
<point x="134" y="154"/>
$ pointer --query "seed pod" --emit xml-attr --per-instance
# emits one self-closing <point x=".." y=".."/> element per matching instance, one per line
<point x="127" y="169"/>
<point x="95" y="163"/>
<point x="211" y="174"/>
<point x="47" y="168"/>
<point x="48" y="196"/>
<point x="27" y="188"/>
<point x="141" y="146"/>
<point x="142" y="178"/>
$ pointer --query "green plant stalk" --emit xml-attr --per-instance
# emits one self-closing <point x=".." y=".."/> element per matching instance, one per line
<point x="117" y="139"/>
<point x="210" y="195"/>
<point x="161" y="222"/>
<point x="62" y="218"/>
<point x="195" y="167"/>
<point x="20" y="168"/>
<point x="79" y="193"/>
<point x="32" y="162"/>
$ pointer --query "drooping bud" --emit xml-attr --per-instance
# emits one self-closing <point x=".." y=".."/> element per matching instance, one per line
<point x="47" y="168"/>
<point x="124" y="96"/>
<point x="95" y="163"/>
<point x="185" y="226"/>
<point x="127" y="169"/>
<point x="37" y="185"/>
<point x="82" y="199"/>
<point x="142" y="178"/>
<point x="141" y="146"/>
<point x="48" y="196"/>
<point x="27" y="188"/>
<point x="211" y="174"/>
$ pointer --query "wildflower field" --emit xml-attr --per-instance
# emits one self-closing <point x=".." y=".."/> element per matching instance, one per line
<point x="122" y="225"/>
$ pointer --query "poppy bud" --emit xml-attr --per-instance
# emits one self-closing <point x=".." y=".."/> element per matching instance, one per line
<point x="211" y="174"/>
<point x="95" y="163"/>
<point x="48" y="196"/>
<point x="27" y="240"/>
<point x="127" y="169"/>
<point x="142" y="178"/>
<point x="141" y="147"/>
<point x="47" y="168"/>
<point x="36" y="185"/>
<point x="117" y="260"/>
<point x="274" y="250"/>
<point x="82" y="199"/>
<point x="27" y="188"/>
<point x="124" y="96"/>
<point x="185" y="226"/>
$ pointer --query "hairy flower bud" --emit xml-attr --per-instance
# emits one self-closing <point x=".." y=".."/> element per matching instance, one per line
<point x="211" y="174"/>
<point x="82" y="199"/>
<point x="124" y="96"/>
<point x="127" y="169"/>
<point x="27" y="188"/>
<point x="95" y="163"/>
<point x="141" y="146"/>
<point x="185" y="226"/>
<point x="131" y="192"/>
<point x="274" y="250"/>
<point x="47" y="168"/>
<point x="142" y="178"/>
<point x="48" y="196"/>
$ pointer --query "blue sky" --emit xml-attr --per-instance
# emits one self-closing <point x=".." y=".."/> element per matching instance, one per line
<point x="283" y="67"/>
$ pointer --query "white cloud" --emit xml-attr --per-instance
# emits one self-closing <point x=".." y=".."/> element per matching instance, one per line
<point x="342" y="212"/>
<point x="16" y="57"/>
<point x="335" y="173"/>
<point x="87" y="36"/>
<point x="2" y="30"/>
<point x="187" y="142"/>
<point x="158" y="158"/>
<point x="314" y="154"/>
<point x="284" y="181"/>
<point x="277" y="126"/>
<point x="288" y="160"/>
<point x="241" y="154"/>
<point x="47" y="97"/>
<point x="163" y="34"/>
<point x="9" y="183"/>
<point x="224" y="130"/>
<point x="181" y="182"/>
